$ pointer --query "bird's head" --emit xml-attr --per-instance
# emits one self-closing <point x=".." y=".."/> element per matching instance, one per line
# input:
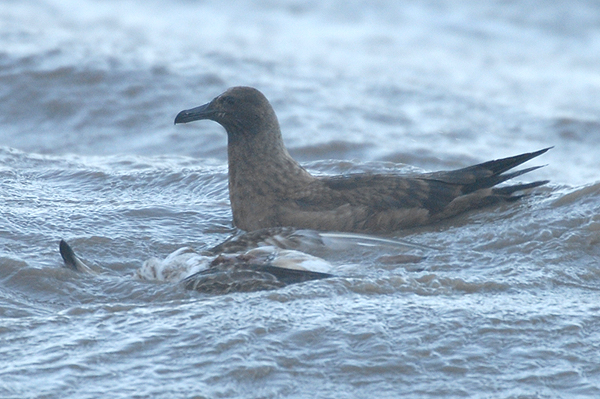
<point x="244" y="112"/>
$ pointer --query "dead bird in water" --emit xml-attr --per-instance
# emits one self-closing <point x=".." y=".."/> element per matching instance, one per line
<point x="260" y="260"/>
<point x="262" y="268"/>
<point x="268" y="188"/>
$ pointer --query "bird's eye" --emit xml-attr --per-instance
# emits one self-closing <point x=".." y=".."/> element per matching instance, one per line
<point x="228" y="100"/>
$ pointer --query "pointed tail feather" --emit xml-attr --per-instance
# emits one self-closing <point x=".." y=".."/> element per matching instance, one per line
<point x="499" y="166"/>
<point x="508" y="190"/>
<point x="508" y="176"/>
<point x="487" y="174"/>
<point x="491" y="181"/>
<point x="491" y="173"/>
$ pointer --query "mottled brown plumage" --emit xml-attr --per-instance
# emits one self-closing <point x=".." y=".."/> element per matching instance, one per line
<point x="268" y="188"/>
<point x="246" y="273"/>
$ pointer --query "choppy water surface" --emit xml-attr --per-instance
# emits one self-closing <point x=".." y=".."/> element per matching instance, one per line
<point x="506" y="308"/>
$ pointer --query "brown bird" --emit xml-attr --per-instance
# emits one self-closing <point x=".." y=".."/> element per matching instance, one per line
<point x="268" y="188"/>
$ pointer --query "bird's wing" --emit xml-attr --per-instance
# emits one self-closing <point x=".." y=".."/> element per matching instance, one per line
<point x="430" y="191"/>
<point x="487" y="174"/>
<point x="379" y="193"/>
<point x="248" y="277"/>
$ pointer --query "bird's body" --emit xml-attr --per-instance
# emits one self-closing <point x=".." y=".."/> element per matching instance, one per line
<point x="259" y="260"/>
<point x="256" y="269"/>
<point x="268" y="188"/>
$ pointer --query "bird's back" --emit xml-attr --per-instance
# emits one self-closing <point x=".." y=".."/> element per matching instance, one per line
<point x="384" y="203"/>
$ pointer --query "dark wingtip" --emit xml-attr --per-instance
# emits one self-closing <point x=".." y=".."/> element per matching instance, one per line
<point x="534" y="154"/>
<point x="294" y="276"/>
<point x="543" y="150"/>
<point x="500" y="166"/>
<point x="68" y="255"/>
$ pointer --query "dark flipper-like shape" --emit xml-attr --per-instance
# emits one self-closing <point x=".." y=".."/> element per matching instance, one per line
<point x="68" y="255"/>
<point x="71" y="260"/>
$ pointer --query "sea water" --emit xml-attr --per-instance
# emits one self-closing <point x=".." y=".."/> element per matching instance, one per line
<point x="505" y="306"/>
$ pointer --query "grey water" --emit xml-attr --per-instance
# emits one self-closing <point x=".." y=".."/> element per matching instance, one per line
<point x="507" y="307"/>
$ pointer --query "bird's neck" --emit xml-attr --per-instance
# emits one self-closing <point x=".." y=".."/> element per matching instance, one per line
<point x="261" y="173"/>
<point x="263" y="162"/>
